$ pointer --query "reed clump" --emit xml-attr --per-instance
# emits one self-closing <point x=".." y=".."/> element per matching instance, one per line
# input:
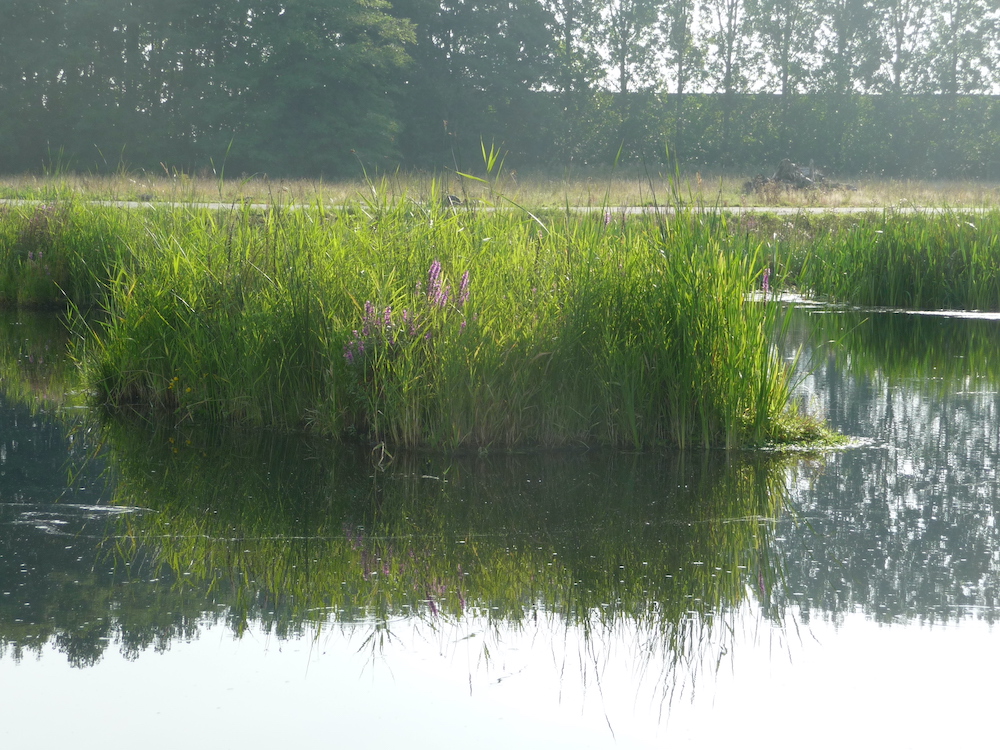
<point x="419" y="326"/>
<point x="946" y="261"/>
<point x="58" y="254"/>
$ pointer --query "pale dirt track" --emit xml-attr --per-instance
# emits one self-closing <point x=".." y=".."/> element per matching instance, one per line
<point x="613" y="210"/>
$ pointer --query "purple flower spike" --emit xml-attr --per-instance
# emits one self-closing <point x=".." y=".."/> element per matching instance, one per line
<point x="765" y="282"/>
<point x="441" y="298"/>
<point x="463" y="289"/>
<point x="434" y="280"/>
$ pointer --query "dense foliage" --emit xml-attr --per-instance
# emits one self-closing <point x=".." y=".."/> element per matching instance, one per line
<point x="419" y="326"/>
<point x="324" y="87"/>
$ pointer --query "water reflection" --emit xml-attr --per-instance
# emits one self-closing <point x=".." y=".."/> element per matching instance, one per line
<point x="287" y="534"/>
<point x="906" y="526"/>
<point x="125" y="538"/>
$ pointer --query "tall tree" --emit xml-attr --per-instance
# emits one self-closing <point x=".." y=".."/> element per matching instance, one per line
<point x="323" y="89"/>
<point x="786" y="30"/>
<point x="683" y="56"/>
<point x="729" y="39"/>
<point x="905" y="32"/>
<point x="577" y="59"/>
<point x="478" y="65"/>
<point x="962" y="46"/>
<point x="851" y="45"/>
<point x="632" y="34"/>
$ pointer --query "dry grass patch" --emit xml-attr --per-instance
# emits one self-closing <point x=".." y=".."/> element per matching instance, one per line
<point x="625" y="186"/>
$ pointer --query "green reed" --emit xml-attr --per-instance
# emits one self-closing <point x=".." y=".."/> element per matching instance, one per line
<point x="418" y="325"/>
<point x="59" y="254"/>
<point x="921" y="261"/>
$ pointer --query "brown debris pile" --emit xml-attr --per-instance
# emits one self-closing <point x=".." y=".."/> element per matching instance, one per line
<point x="791" y="175"/>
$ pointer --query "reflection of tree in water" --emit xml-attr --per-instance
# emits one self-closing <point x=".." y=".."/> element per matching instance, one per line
<point x="291" y="536"/>
<point x="906" y="526"/>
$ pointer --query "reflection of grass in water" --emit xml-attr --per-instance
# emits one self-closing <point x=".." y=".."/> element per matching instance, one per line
<point x="934" y="350"/>
<point x="665" y="545"/>
<point x="35" y="369"/>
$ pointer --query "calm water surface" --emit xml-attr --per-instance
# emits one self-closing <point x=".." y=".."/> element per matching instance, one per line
<point x="162" y="586"/>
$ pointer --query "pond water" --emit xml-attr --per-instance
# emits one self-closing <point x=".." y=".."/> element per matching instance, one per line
<point x="165" y="586"/>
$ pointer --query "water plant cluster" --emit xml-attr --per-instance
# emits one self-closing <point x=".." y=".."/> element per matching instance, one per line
<point x="417" y="325"/>
<point x="921" y="261"/>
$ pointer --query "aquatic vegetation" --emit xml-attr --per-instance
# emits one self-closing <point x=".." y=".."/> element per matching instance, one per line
<point x="62" y="254"/>
<point x="927" y="261"/>
<point x="533" y="330"/>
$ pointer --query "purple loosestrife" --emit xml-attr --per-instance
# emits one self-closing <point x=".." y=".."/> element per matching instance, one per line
<point x="463" y="289"/>
<point x="434" y="281"/>
<point x="766" y="281"/>
<point x="441" y="298"/>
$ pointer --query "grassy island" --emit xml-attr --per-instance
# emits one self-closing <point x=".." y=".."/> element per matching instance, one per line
<point x="418" y="325"/>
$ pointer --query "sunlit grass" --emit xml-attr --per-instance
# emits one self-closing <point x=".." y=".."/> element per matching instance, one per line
<point x="912" y="261"/>
<point x="430" y="327"/>
<point x="587" y="187"/>
<point x="421" y="325"/>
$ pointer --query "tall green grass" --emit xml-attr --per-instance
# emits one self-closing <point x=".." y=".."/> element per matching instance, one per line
<point x="416" y="325"/>
<point x="420" y="326"/>
<point x="59" y="254"/>
<point x="919" y="261"/>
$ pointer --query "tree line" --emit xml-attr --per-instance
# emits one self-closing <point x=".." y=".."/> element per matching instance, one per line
<point x="327" y="87"/>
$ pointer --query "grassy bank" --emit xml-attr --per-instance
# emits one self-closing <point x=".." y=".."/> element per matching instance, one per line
<point x="420" y="326"/>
